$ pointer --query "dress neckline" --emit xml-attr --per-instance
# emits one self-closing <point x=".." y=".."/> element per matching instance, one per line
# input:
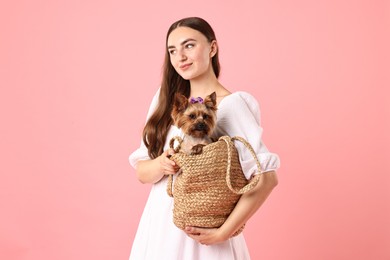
<point x="231" y="94"/>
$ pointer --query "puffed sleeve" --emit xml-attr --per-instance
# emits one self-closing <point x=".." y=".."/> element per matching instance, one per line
<point x="239" y="115"/>
<point x="142" y="152"/>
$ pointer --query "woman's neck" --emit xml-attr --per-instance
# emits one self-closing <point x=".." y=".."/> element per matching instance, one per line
<point x="205" y="85"/>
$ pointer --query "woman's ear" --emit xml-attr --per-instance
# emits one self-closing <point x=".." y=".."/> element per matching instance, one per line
<point x="214" y="48"/>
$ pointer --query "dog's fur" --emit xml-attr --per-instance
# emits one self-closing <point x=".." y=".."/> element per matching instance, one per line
<point x="197" y="121"/>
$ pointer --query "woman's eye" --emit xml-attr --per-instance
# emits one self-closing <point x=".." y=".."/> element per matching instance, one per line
<point x="192" y="116"/>
<point x="205" y="116"/>
<point x="190" y="46"/>
<point x="172" y="52"/>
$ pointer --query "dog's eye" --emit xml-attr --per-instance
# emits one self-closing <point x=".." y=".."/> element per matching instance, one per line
<point x="192" y="116"/>
<point x="205" y="116"/>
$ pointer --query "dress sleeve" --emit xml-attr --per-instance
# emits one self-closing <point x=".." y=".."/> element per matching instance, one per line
<point x="142" y="152"/>
<point x="240" y="116"/>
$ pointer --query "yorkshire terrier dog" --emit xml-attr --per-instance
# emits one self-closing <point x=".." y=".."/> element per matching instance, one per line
<point x="197" y="119"/>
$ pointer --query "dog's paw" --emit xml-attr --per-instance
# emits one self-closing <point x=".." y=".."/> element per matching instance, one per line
<point x="197" y="149"/>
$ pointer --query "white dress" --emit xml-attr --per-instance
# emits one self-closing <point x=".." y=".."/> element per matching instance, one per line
<point x="157" y="238"/>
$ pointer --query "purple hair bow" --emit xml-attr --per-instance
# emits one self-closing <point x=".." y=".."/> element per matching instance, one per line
<point x="196" y="100"/>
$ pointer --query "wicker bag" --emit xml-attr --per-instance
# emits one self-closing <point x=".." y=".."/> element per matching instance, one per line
<point x="209" y="185"/>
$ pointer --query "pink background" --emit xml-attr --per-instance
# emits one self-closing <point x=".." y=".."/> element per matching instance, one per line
<point x="77" y="78"/>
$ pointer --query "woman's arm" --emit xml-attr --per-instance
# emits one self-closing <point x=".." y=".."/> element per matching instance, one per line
<point x="248" y="204"/>
<point x="151" y="171"/>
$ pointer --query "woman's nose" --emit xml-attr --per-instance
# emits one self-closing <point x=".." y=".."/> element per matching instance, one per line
<point x="182" y="56"/>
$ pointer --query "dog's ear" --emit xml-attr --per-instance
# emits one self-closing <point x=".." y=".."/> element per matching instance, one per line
<point x="180" y="103"/>
<point x="211" y="101"/>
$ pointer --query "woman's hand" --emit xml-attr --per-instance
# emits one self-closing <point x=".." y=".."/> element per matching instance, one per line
<point x="167" y="166"/>
<point x="206" y="236"/>
<point x="152" y="171"/>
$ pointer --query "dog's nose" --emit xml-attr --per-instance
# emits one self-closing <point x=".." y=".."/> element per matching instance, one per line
<point x="201" y="126"/>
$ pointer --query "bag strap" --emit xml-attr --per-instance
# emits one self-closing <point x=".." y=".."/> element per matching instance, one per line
<point x="172" y="143"/>
<point x="170" y="176"/>
<point x="230" y="145"/>
<point x="169" y="185"/>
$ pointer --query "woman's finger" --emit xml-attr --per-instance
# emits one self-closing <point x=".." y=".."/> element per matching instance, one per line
<point x="194" y="231"/>
<point x="171" y="151"/>
<point x="168" y="166"/>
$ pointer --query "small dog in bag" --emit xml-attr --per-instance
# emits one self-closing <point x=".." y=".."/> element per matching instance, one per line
<point x="197" y="119"/>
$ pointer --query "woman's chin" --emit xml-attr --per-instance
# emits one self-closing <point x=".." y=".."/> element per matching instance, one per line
<point x="186" y="76"/>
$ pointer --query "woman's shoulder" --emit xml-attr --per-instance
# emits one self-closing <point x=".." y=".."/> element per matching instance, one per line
<point x="239" y="97"/>
<point x="239" y="104"/>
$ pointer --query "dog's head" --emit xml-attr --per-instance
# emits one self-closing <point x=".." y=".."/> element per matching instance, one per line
<point x="195" y="117"/>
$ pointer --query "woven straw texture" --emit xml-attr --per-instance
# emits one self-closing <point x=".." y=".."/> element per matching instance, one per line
<point x="209" y="184"/>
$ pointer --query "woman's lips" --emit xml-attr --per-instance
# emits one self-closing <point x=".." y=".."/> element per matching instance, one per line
<point x="185" y="66"/>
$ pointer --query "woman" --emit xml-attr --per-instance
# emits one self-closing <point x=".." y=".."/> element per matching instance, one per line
<point x="192" y="68"/>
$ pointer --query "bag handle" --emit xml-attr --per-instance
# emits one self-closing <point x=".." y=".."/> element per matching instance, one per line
<point x="230" y="145"/>
<point x="170" y="176"/>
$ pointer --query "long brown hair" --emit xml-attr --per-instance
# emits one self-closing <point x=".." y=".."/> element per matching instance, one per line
<point x="157" y="127"/>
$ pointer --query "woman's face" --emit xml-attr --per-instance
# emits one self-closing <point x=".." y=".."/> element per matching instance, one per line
<point x="190" y="52"/>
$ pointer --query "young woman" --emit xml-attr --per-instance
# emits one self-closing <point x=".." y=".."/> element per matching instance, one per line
<point x="191" y="67"/>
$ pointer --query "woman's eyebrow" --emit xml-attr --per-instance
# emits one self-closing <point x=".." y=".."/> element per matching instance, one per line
<point x="184" y="42"/>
